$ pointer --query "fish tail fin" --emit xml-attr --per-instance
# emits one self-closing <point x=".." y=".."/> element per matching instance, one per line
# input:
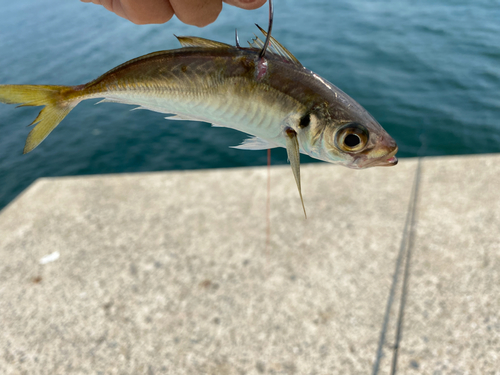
<point x="58" y="102"/>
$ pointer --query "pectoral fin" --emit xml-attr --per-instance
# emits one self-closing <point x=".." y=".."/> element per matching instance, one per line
<point x="292" y="149"/>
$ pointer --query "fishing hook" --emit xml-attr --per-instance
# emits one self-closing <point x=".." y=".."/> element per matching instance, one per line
<point x="268" y="37"/>
<point x="236" y="37"/>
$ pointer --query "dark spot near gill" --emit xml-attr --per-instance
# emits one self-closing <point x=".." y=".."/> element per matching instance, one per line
<point x="37" y="279"/>
<point x="305" y="121"/>
<point x="290" y="132"/>
<point x="184" y="68"/>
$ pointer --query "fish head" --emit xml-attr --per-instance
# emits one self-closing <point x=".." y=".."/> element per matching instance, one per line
<point x="348" y="135"/>
<point x="359" y="145"/>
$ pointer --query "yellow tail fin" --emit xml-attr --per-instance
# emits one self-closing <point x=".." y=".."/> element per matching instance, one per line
<point x="54" y="98"/>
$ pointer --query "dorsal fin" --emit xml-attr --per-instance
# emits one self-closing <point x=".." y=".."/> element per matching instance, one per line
<point x="193" y="41"/>
<point x="274" y="48"/>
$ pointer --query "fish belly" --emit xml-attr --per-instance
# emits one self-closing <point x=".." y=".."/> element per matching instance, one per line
<point x="257" y="111"/>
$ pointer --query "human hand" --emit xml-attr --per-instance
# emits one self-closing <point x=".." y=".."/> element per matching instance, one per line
<point x="193" y="12"/>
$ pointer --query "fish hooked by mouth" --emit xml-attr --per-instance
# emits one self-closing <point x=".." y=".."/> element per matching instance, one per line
<point x="261" y="90"/>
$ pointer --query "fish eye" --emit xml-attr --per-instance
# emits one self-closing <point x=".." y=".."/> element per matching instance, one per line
<point x="352" y="137"/>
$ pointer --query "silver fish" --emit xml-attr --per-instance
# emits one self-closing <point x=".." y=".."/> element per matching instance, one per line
<point x="262" y="90"/>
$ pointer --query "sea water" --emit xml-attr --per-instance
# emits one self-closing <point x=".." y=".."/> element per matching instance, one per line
<point x="428" y="71"/>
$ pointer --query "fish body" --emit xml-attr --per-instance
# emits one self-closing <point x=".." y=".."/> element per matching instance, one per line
<point x="273" y="98"/>
<point x="226" y="86"/>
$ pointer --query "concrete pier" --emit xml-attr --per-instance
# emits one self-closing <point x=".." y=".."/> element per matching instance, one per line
<point x="169" y="273"/>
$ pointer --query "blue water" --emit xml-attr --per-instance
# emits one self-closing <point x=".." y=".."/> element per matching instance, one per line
<point x="429" y="71"/>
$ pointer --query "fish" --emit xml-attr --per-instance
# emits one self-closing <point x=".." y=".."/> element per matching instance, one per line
<point x="261" y="90"/>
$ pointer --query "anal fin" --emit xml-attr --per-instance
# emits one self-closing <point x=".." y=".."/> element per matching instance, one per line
<point x="255" y="143"/>
<point x="182" y="118"/>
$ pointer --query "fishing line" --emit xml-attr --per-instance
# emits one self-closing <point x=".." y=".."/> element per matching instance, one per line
<point x="268" y="203"/>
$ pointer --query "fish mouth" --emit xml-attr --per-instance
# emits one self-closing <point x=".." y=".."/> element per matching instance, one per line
<point x="387" y="160"/>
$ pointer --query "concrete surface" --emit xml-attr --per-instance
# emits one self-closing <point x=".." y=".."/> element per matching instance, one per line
<point x="168" y="273"/>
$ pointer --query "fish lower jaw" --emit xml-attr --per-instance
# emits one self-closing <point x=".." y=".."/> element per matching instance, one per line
<point x="388" y="160"/>
<point x="391" y="161"/>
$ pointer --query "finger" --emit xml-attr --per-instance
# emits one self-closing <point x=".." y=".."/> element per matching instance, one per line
<point x="197" y="12"/>
<point x="246" y="4"/>
<point x="111" y="5"/>
<point x="139" y="12"/>
<point x="146" y="11"/>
